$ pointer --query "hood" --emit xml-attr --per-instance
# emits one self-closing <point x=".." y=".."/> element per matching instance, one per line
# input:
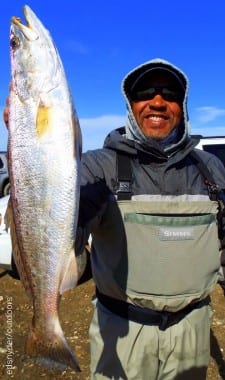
<point x="180" y="135"/>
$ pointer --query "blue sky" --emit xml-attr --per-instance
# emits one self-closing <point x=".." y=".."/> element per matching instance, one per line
<point x="100" y="41"/>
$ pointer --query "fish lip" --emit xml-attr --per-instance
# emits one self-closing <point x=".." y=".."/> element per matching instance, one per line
<point x="16" y="20"/>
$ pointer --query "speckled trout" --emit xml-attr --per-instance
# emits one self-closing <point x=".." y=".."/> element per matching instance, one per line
<point x="44" y="150"/>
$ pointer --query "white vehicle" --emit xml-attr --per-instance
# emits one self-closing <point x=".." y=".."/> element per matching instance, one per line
<point x="4" y="175"/>
<point x="214" y="144"/>
<point x="5" y="241"/>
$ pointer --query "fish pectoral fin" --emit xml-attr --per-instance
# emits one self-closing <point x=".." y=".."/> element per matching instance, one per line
<point x="70" y="276"/>
<point x="43" y="119"/>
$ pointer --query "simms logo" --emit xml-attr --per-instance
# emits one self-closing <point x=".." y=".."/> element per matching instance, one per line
<point x="176" y="233"/>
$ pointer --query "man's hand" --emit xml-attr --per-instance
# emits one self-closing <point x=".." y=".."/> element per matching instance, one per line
<point x="6" y="116"/>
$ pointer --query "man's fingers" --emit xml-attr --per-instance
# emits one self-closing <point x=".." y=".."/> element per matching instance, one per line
<point x="6" y="114"/>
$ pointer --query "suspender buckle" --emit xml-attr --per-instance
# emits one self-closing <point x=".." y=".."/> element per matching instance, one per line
<point x="124" y="187"/>
<point x="123" y="190"/>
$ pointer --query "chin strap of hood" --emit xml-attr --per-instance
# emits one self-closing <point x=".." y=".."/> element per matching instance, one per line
<point x="133" y="132"/>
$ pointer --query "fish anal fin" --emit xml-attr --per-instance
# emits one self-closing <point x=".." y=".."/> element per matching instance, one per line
<point x="70" y="275"/>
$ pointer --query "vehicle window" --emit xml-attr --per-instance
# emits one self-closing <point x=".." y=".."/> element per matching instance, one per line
<point x="1" y="163"/>
<point x="217" y="149"/>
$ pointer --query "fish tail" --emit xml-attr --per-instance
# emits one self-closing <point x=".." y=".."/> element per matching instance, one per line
<point x="53" y="348"/>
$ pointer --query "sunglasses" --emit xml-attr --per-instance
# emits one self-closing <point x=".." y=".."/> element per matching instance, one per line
<point x="167" y="93"/>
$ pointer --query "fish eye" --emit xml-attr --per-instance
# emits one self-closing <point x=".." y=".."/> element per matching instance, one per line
<point x="14" y="42"/>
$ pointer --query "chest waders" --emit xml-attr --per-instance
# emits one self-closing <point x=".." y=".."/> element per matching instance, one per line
<point x="169" y="253"/>
<point x="155" y="264"/>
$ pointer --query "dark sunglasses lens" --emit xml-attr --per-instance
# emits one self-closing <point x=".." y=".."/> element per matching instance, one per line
<point x="168" y="94"/>
<point x="144" y="95"/>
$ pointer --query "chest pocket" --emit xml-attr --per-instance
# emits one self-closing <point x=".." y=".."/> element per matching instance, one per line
<point x="172" y="248"/>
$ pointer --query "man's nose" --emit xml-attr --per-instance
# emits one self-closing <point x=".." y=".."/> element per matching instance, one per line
<point x="157" y="102"/>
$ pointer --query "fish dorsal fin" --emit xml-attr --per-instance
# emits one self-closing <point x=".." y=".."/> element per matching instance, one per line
<point x="70" y="275"/>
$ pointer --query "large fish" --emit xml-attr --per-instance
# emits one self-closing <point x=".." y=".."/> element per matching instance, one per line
<point x="44" y="150"/>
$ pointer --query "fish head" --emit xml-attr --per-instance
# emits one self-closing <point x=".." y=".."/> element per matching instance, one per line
<point x="34" y="57"/>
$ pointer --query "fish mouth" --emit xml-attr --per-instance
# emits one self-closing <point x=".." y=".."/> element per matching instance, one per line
<point x="32" y="36"/>
<point x="28" y="30"/>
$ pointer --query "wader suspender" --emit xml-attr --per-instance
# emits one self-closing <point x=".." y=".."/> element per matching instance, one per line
<point x="208" y="179"/>
<point x="124" y="177"/>
<point x="215" y="194"/>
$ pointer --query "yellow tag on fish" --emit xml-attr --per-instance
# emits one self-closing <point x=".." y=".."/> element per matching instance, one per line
<point x="43" y="123"/>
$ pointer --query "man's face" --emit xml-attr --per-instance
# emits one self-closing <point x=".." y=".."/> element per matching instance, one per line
<point x="158" y="107"/>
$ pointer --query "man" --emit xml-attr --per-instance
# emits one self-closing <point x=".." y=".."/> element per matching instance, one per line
<point x="132" y="263"/>
<point x="155" y="248"/>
